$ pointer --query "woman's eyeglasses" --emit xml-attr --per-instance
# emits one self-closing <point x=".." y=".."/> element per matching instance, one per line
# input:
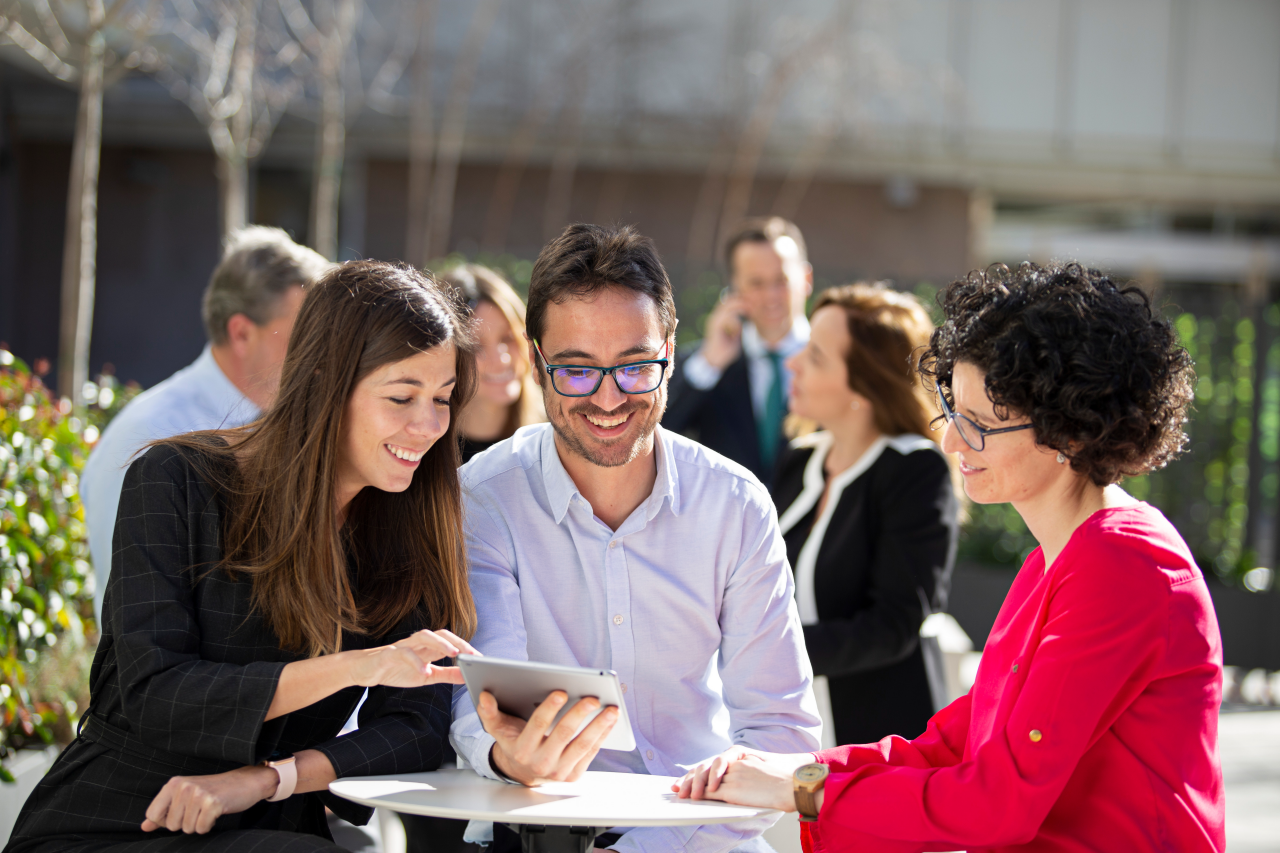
<point x="973" y="435"/>
<point x="580" y="380"/>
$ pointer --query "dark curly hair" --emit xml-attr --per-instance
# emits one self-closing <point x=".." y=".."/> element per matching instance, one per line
<point x="1101" y="377"/>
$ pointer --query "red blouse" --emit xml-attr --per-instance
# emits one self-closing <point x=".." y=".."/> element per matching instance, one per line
<point x="1092" y="725"/>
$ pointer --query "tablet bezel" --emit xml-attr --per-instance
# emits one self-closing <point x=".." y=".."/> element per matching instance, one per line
<point x="520" y="686"/>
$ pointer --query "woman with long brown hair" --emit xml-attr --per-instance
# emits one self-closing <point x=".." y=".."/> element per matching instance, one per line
<point x="869" y="514"/>
<point x="506" y="396"/>
<point x="263" y="577"/>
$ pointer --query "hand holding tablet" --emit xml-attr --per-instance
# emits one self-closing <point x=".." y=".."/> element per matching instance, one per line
<point x="572" y="712"/>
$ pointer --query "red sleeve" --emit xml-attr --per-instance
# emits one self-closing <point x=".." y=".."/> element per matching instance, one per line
<point x="941" y="745"/>
<point x="1102" y="637"/>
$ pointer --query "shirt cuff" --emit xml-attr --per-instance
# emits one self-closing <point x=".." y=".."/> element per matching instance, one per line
<point x="475" y="751"/>
<point x="699" y="373"/>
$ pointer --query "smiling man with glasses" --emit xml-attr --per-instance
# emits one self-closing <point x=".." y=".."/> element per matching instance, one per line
<point x="603" y="540"/>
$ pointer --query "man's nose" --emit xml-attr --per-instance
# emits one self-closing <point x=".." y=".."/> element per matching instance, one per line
<point x="609" y="396"/>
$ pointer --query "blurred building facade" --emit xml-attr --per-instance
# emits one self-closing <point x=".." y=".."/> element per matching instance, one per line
<point x="911" y="141"/>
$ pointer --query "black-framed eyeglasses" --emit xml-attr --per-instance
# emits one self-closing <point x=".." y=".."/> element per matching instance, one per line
<point x="973" y="435"/>
<point x="581" y="380"/>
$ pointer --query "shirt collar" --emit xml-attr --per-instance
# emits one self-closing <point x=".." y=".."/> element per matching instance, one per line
<point x="794" y="340"/>
<point x="561" y="490"/>
<point x="220" y="390"/>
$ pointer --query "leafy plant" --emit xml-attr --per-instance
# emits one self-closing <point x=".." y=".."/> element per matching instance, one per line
<point x="47" y="629"/>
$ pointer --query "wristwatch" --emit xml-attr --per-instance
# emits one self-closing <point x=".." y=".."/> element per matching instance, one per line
<point x="807" y="782"/>
<point x="287" y="768"/>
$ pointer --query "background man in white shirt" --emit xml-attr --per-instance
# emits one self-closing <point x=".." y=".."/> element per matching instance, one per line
<point x="731" y="393"/>
<point x="602" y="540"/>
<point x="249" y="308"/>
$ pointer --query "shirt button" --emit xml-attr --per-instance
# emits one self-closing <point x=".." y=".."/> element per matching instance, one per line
<point x="1035" y="735"/>
<point x="624" y="687"/>
<point x="649" y="755"/>
<point x="1015" y="667"/>
<point x="617" y="620"/>
<point x="613" y="544"/>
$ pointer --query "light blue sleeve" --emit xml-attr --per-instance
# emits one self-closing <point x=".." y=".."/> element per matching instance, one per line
<point x="500" y="628"/>
<point x="768" y="682"/>
<point x="100" y="486"/>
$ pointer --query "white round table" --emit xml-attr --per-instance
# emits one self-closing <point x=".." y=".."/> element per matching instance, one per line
<point x="560" y="816"/>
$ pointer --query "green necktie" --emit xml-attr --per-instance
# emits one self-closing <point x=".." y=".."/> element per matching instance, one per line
<point x="775" y="408"/>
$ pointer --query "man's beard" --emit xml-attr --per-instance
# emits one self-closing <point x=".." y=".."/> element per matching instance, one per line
<point x="615" y="453"/>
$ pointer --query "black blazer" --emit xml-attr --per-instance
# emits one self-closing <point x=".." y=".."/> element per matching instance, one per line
<point x="721" y="418"/>
<point x="883" y="564"/>
<point x="183" y="677"/>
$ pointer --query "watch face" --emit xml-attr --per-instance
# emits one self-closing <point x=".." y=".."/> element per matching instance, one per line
<point x="811" y="773"/>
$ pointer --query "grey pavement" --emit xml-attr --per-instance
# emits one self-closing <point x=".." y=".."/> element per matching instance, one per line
<point x="1249" y="743"/>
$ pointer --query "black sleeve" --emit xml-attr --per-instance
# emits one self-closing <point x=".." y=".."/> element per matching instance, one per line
<point x="172" y="698"/>
<point x="402" y="730"/>
<point x="911" y="562"/>
<point x="684" y="402"/>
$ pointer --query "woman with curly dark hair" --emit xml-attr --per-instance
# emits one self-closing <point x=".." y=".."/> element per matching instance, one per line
<point x="1092" y="725"/>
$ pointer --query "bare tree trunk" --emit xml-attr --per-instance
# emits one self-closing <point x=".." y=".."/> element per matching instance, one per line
<point x="233" y="191"/>
<point x="80" y="243"/>
<point x="331" y="144"/>
<point x="742" y="172"/>
<point x="421" y="140"/>
<point x="555" y="213"/>
<point x="502" y="202"/>
<point x="700" y="248"/>
<point x="453" y="125"/>
<point x="796" y="185"/>
<point x="233" y="151"/>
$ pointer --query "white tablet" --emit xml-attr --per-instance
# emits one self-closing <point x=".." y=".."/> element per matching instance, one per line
<point x="521" y="686"/>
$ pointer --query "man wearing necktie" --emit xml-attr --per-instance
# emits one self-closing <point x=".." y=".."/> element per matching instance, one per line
<point x="731" y="393"/>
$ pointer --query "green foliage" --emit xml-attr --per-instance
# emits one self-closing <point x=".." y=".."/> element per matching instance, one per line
<point x="47" y="629"/>
<point x="517" y="271"/>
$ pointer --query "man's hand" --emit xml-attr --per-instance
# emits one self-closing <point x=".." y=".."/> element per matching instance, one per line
<point x="524" y="753"/>
<point x="408" y="663"/>
<point x="745" y="777"/>
<point x="722" y="342"/>
<point x="192" y="803"/>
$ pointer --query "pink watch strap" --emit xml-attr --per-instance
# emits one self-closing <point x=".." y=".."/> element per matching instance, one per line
<point x="288" y="772"/>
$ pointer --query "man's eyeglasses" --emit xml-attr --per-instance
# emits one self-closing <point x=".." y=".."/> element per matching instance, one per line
<point x="580" y="380"/>
<point x="973" y="435"/>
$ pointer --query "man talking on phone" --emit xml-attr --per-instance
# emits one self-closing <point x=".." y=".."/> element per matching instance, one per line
<point x="731" y="393"/>
<point x="603" y="540"/>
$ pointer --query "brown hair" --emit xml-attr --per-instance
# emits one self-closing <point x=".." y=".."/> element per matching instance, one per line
<point x="475" y="284"/>
<point x="764" y="230"/>
<point x="588" y="258"/>
<point x="889" y="332"/>
<point x="276" y="476"/>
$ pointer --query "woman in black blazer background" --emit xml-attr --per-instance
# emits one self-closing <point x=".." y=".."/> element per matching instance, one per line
<point x="869" y="513"/>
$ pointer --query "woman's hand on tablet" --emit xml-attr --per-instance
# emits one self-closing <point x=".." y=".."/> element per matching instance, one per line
<point x="408" y="663"/>
<point x="525" y="754"/>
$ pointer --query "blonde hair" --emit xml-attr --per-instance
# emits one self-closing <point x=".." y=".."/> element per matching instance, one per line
<point x="474" y="284"/>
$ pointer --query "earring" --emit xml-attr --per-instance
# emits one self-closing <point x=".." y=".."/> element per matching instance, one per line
<point x="1061" y="459"/>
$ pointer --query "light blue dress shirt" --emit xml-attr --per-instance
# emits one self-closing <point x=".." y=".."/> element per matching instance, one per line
<point x="701" y="375"/>
<point x="691" y="601"/>
<point x="200" y="396"/>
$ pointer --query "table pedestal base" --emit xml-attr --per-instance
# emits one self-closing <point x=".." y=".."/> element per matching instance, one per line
<point x="556" y="839"/>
